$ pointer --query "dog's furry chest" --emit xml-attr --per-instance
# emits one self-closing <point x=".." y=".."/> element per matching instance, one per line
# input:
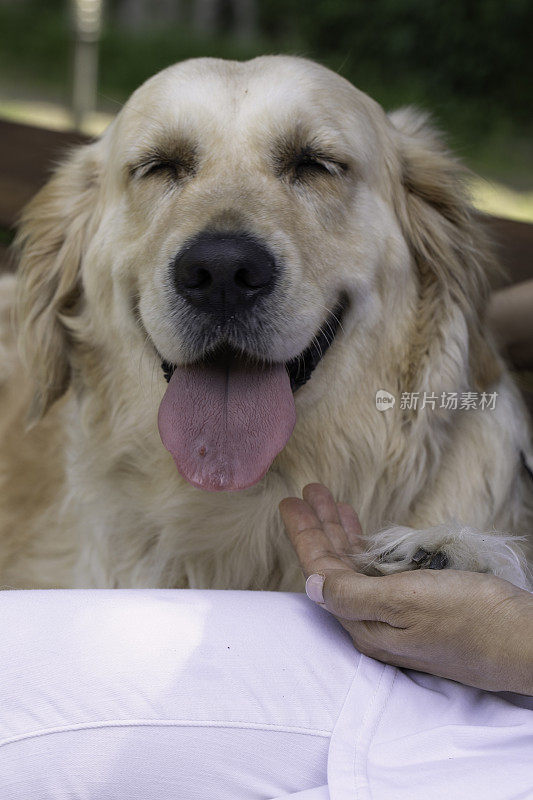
<point x="82" y="511"/>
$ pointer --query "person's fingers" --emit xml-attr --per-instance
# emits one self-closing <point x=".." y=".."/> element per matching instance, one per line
<point x="346" y="594"/>
<point x="379" y="640"/>
<point x="352" y="526"/>
<point x="312" y="545"/>
<point x="354" y="596"/>
<point x="321" y="501"/>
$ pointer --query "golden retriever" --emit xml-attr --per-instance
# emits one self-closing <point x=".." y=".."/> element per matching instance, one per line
<point x="307" y="275"/>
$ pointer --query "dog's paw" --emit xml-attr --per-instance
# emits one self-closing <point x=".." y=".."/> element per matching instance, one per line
<point x="449" y="546"/>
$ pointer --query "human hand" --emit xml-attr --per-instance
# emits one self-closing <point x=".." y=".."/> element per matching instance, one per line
<point x="470" y="627"/>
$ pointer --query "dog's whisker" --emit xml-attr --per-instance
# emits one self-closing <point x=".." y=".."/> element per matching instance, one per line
<point x="330" y="329"/>
<point x="130" y="107"/>
<point x="331" y="314"/>
<point x="111" y="99"/>
<point x="147" y="344"/>
<point x="154" y="366"/>
<point x="315" y="342"/>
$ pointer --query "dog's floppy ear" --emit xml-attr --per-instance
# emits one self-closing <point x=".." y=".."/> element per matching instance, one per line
<point x="446" y="239"/>
<point x="52" y="236"/>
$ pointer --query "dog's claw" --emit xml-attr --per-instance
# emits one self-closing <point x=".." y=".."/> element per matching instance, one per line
<point x="420" y="555"/>
<point x="438" y="561"/>
<point x="425" y="560"/>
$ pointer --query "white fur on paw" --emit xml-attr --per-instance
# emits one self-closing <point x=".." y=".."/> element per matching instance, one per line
<point x="393" y="550"/>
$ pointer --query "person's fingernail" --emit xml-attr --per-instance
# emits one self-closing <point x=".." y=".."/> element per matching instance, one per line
<point x="313" y="588"/>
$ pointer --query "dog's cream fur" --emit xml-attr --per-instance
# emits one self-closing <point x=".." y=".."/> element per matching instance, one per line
<point x="90" y="497"/>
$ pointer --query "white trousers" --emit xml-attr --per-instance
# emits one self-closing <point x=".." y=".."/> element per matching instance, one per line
<point x="197" y="695"/>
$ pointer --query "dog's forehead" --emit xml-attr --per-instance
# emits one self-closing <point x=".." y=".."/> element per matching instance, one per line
<point x="214" y="97"/>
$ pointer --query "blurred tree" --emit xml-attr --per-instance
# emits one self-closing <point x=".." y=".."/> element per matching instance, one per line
<point x="245" y="18"/>
<point x="137" y="15"/>
<point x="205" y="16"/>
<point x="457" y="48"/>
<point x="239" y="17"/>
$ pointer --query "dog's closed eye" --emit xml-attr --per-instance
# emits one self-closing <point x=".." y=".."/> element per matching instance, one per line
<point x="173" y="168"/>
<point x="175" y="163"/>
<point x="307" y="164"/>
<point x="300" y="162"/>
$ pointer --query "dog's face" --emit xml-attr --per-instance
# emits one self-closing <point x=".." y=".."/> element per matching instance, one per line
<point x="274" y="165"/>
<point x="233" y="221"/>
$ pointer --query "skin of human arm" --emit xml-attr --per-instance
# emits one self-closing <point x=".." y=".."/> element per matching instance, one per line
<point x="510" y="316"/>
<point x="473" y="628"/>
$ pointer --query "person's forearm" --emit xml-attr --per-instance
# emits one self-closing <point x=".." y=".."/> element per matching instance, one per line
<point x="516" y="655"/>
<point x="509" y="314"/>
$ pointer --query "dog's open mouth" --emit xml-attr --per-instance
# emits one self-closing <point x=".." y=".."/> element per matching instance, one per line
<point x="226" y="418"/>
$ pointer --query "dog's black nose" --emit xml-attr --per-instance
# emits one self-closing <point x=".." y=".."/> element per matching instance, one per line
<point x="222" y="273"/>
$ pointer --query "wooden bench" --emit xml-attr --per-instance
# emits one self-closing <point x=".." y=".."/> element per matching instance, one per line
<point x="28" y="154"/>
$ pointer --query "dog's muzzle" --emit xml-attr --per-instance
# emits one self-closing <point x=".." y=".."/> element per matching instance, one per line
<point x="225" y="416"/>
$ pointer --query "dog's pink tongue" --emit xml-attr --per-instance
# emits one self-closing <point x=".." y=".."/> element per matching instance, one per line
<point x="224" y="425"/>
